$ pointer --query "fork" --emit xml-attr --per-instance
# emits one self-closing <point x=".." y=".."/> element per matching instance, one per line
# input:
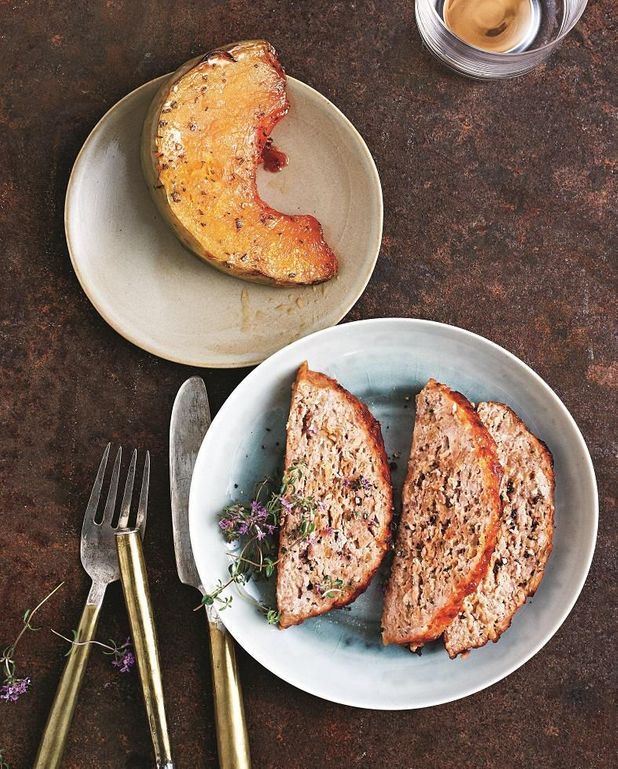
<point x="99" y="559"/>
<point x="134" y="578"/>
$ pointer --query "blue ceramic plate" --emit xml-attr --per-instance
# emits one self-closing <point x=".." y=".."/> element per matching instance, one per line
<point x="340" y="656"/>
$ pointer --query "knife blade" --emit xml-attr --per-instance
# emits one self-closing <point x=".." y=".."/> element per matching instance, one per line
<point x="189" y="423"/>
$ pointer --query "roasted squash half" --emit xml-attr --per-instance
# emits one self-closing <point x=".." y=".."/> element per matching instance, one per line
<point x="203" y="140"/>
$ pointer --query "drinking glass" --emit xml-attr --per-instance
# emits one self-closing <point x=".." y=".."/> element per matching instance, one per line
<point x="556" y="18"/>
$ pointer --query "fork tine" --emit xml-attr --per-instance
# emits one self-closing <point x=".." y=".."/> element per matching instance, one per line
<point x="110" y="503"/>
<point x="125" y="506"/>
<point x="93" y="502"/>
<point x="142" y="507"/>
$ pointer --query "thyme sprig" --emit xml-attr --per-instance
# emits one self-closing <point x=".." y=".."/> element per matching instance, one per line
<point x="14" y="687"/>
<point x="122" y="653"/>
<point x="272" y="615"/>
<point x="255" y="529"/>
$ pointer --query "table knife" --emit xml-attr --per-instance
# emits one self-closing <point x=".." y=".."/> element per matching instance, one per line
<point x="189" y="423"/>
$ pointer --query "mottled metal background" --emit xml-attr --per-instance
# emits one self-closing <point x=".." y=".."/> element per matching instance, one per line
<point x="498" y="218"/>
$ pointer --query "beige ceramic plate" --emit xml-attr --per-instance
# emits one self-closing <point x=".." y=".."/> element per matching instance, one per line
<point x="159" y="296"/>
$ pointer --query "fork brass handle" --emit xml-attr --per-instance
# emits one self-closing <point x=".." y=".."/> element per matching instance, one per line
<point x="232" y="737"/>
<point x="139" y="608"/>
<point x="60" y="716"/>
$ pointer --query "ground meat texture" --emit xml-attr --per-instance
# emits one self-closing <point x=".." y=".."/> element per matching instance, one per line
<point x="337" y="445"/>
<point x="525" y="537"/>
<point x="450" y="518"/>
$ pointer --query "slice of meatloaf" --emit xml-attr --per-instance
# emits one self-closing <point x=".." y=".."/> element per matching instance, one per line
<point x="450" y="518"/>
<point x="525" y="538"/>
<point x="337" y="501"/>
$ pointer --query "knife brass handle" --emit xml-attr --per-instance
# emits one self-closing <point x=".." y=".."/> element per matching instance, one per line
<point x="139" y="608"/>
<point x="232" y="737"/>
<point x="60" y="716"/>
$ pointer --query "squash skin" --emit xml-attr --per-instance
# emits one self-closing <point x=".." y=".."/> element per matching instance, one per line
<point x="200" y="152"/>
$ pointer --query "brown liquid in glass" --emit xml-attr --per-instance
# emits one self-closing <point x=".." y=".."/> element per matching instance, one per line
<point x="492" y="25"/>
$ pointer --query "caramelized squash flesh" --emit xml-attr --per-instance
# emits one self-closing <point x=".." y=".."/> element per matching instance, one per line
<point x="203" y="141"/>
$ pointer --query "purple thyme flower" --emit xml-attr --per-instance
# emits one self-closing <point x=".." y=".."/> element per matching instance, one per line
<point x="238" y="521"/>
<point x="258" y="511"/>
<point x="124" y="659"/>
<point x="13" y="691"/>
<point x="126" y="663"/>
<point x="286" y="504"/>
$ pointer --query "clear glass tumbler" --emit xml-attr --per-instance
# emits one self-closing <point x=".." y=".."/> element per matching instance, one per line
<point x="556" y="18"/>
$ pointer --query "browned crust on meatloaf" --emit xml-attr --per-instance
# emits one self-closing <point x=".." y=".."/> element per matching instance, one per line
<point x="318" y="379"/>
<point x="547" y="468"/>
<point x="374" y="439"/>
<point x="486" y="457"/>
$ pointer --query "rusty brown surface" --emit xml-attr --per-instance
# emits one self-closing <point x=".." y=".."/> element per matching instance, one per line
<point x="498" y="218"/>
